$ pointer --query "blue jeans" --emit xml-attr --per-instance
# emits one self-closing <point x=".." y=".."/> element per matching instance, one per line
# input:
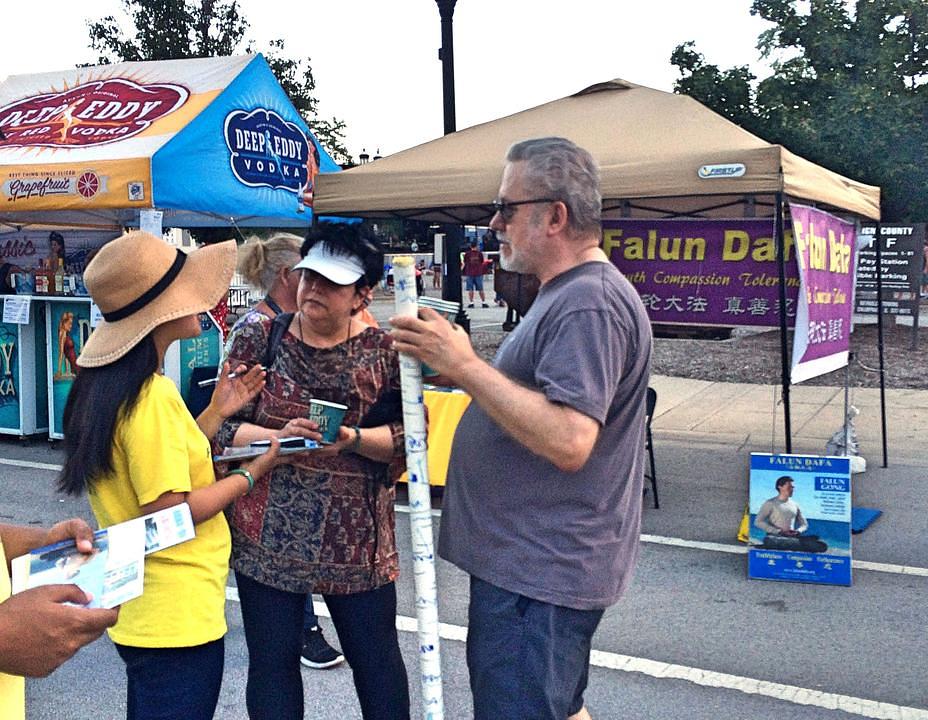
<point x="527" y="658"/>
<point x="173" y="683"/>
<point x="366" y="627"/>
<point x="473" y="282"/>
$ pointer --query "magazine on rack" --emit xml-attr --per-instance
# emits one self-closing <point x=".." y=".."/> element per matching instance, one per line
<point x="114" y="570"/>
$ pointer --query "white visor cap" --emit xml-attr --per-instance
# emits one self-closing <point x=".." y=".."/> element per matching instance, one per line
<point x="340" y="269"/>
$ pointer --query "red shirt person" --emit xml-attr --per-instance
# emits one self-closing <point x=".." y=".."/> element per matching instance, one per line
<point x="473" y="274"/>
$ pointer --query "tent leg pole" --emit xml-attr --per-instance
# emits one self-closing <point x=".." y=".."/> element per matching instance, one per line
<point x="879" y="335"/>
<point x="784" y="359"/>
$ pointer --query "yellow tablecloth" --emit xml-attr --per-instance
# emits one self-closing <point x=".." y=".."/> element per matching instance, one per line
<point x="445" y="410"/>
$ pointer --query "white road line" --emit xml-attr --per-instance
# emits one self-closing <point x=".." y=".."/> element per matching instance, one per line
<point x="704" y="678"/>
<point x="30" y="464"/>
<point x="742" y="550"/>
<point x="655" y="539"/>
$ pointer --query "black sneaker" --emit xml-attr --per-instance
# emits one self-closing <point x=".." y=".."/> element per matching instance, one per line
<point x="485" y="305"/>
<point x="317" y="653"/>
<point x="470" y="305"/>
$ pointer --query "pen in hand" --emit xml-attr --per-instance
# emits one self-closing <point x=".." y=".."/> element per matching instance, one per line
<point x="213" y="381"/>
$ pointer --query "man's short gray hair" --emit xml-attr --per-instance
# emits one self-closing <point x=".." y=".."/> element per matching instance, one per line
<point x="558" y="168"/>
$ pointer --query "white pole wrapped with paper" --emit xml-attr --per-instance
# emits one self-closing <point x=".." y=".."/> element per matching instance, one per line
<point x="420" y="501"/>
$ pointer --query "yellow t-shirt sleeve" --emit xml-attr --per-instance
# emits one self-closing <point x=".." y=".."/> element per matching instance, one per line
<point x="12" y="688"/>
<point x="154" y="435"/>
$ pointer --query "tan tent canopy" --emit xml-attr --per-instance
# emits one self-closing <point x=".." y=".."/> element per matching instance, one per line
<point x="660" y="154"/>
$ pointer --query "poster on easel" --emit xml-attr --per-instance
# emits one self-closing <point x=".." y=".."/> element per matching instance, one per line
<point x="800" y="519"/>
<point x="68" y="331"/>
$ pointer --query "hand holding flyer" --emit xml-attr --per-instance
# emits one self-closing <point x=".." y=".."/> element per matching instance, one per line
<point x="113" y="571"/>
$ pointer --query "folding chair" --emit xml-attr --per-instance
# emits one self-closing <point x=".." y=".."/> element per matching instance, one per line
<point x="650" y="403"/>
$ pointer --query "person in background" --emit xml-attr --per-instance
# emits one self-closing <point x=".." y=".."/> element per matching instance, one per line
<point x="436" y="275"/>
<point x="543" y="501"/>
<point x="323" y="522"/>
<point x="267" y="265"/>
<point x="55" y="250"/>
<point x="420" y="279"/>
<point x="42" y="627"/>
<point x="473" y="274"/>
<point x="133" y="446"/>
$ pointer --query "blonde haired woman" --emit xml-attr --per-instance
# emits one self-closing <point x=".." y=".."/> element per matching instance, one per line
<point x="267" y="266"/>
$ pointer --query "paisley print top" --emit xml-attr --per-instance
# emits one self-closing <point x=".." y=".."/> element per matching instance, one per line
<point x="323" y="525"/>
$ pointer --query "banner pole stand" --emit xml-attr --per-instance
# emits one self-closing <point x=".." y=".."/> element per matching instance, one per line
<point x="784" y="359"/>
<point x="879" y="332"/>
<point x="420" y="501"/>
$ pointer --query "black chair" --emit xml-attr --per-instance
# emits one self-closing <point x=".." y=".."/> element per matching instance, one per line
<point x="650" y="403"/>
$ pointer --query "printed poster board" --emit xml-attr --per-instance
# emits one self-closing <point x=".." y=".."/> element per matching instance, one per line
<point x="800" y="519"/>
<point x="68" y="330"/>
<point x="901" y="257"/>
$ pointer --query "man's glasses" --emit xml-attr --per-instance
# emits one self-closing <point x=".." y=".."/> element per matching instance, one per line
<point x="507" y="209"/>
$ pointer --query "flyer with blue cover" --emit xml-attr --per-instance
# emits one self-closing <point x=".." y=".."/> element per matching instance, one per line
<point x="800" y="518"/>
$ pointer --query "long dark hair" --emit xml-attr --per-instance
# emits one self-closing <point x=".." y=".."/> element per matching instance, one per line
<point x="96" y="399"/>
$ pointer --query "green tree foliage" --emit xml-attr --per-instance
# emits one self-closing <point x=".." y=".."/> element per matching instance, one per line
<point x="172" y="29"/>
<point x="849" y="91"/>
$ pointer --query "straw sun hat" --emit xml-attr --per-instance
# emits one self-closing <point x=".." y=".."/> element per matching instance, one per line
<point x="139" y="282"/>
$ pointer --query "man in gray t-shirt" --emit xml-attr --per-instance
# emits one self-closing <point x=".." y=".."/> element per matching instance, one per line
<point x="543" y="501"/>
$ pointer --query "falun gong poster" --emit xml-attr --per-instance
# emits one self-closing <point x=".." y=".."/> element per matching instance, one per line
<point x="800" y="519"/>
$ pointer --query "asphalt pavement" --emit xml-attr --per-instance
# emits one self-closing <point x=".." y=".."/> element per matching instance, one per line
<point x="693" y="638"/>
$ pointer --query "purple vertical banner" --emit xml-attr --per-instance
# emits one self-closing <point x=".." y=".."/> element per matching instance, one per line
<point x="825" y="255"/>
<point x="704" y="272"/>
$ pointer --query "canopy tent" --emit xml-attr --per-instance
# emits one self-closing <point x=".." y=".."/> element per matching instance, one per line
<point x="211" y="142"/>
<point x="660" y="154"/>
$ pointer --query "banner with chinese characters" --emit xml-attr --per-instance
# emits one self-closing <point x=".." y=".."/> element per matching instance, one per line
<point x="825" y="254"/>
<point x="704" y="272"/>
<point x="800" y="518"/>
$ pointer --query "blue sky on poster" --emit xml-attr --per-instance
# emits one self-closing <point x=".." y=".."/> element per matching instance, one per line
<point x="376" y="62"/>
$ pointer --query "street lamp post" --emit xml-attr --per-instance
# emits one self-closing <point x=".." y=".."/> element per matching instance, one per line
<point x="454" y="234"/>
<point x="446" y="55"/>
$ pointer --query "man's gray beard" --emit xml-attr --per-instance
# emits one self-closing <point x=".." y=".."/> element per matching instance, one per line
<point x="504" y="262"/>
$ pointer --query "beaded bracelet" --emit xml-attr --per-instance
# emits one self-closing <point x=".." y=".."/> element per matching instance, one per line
<point x="356" y="443"/>
<point x="244" y="473"/>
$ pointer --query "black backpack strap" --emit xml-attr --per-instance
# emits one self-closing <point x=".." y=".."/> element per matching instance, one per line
<point x="275" y="336"/>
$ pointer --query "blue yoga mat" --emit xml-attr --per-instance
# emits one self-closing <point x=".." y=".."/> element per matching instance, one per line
<point x="862" y="518"/>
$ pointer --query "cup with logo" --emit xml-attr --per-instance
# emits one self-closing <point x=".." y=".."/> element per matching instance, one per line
<point x="448" y="309"/>
<point x="328" y="415"/>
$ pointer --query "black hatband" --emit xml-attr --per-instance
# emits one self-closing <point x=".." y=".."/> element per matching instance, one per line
<point x="149" y="295"/>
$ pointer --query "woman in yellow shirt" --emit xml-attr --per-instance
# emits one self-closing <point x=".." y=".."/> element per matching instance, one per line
<point x="134" y="447"/>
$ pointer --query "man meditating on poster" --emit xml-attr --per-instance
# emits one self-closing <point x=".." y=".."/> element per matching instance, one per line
<point x="782" y="520"/>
